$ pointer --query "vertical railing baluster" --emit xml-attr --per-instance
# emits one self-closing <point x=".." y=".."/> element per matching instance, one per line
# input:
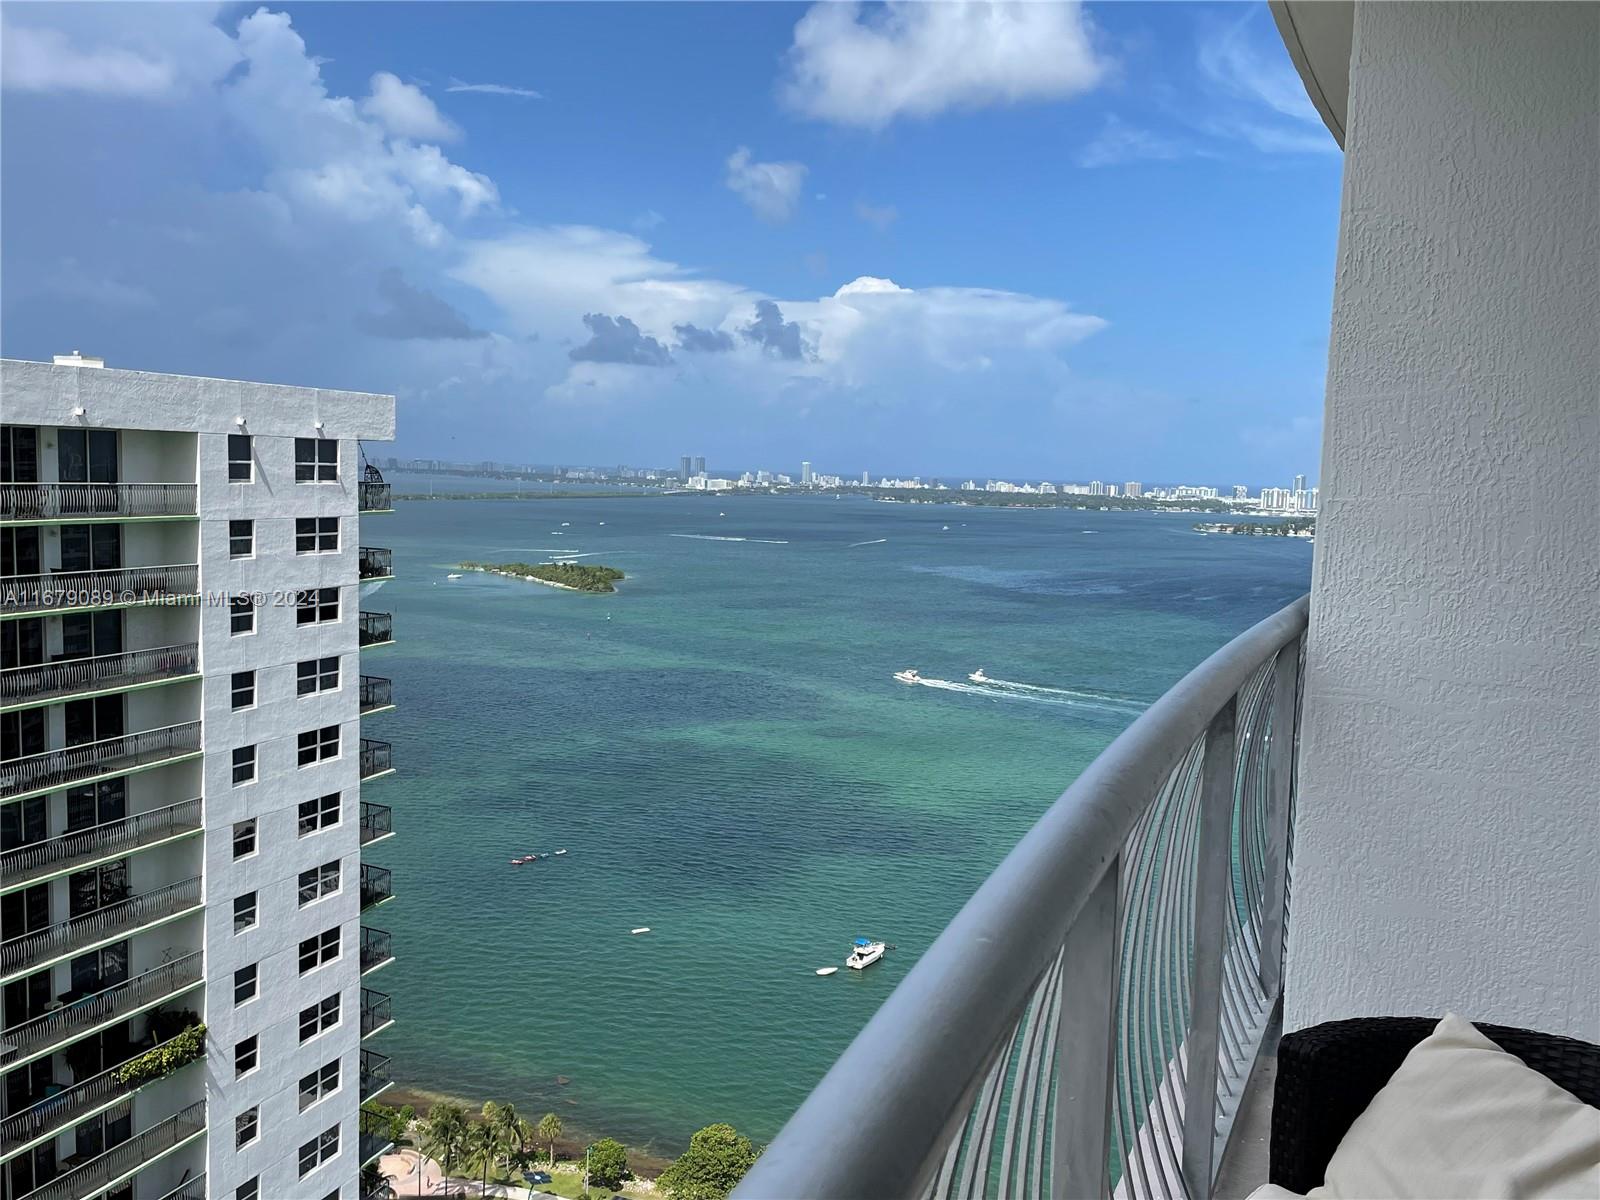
<point x="1280" y="771"/>
<point x="1213" y="887"/>
<point x="1086" y="1037"/>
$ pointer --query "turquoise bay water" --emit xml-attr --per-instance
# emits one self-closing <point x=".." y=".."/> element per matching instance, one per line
<point x="723" y="752"/>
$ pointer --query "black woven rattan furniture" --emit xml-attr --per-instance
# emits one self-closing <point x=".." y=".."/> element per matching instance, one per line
<point x="1328" y="1075"/>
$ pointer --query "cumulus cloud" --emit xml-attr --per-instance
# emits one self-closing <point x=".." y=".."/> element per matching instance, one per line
<point x="412" y="312"/>
<point x="405" y="111"/>
<point x="771" y="189"/>
<point x="143" y="51"/>
<point x="707" y="341"/>
<point x="494" y="89"/>
<point x="911" y="59"/>
<point x="773" y="334"/>
<point x="618" y="340"/>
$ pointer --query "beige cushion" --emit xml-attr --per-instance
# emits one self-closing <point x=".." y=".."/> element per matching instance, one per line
<point x="1463" y="1120"/>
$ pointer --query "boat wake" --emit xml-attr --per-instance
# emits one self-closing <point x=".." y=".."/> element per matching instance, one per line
<point x="873" y="542"/>
<point x="716" y="537"/>
<point x="1000" y="689"/>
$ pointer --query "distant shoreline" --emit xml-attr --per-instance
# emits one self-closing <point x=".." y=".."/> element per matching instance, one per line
<point x="589" y="578"/>
<point x="956" y="499"/>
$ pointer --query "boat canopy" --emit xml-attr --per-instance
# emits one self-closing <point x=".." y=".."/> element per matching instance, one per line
<point x="863" y="942"/>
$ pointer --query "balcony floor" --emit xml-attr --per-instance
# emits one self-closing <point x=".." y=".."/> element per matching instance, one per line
<point x="1244" y="1165"/>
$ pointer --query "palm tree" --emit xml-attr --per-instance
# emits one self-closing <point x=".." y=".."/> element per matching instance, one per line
<point x="549" y="1131"/>
<point x="444" y="1133"/>
<point x="481" y="1145"/>
<point x="507" y="1130"/>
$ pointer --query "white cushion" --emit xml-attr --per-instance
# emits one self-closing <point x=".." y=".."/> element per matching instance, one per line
<point x="1463" y="1120"/>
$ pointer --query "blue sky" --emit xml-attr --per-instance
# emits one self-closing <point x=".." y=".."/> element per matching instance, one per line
<point x="1038" y="241"/>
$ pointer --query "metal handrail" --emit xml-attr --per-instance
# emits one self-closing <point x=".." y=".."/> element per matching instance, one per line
<point x="59" y="768"/>
<point x="120" y="917"/>
<point x="377" y="820"/>
<point x="1105" y="989"/>
<point x="89" y="589"/>
<point x="65" y="676"/>
<point x="376" y="628"/>
<point x="376" y="757"/>
<point x="374" y="496"/>
<point x="374" y="562"/>
<point x="376" y="692"/>
<point x="67" y="1105"/>
<point x="57" y="501"/>
<point x="125" y="834"/>
<point x="189" y="1189"/>
<point x="118" y="1000"/>
<point x="377" y="885"/>
<point x="374" y="1074"/>
<point x="377" y="946"/>
<point x="101" y="1172"/>
<point x="376" y="1011"/>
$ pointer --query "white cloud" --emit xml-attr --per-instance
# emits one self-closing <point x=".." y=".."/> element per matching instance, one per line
<point x="406" y="112"/>
<point x="1262" y="100"/>
<point x="772" y="190"/>
<point x="918" y="59"/>
<point x="144" y="51"/>
<point x="1118" y="142"/>
<point x="494" y="89"/>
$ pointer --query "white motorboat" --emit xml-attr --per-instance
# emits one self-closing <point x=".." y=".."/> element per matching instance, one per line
<point x="978" y="676"/>
<point x="452" y="577"/>
<point x="864" y="953"/>
<point x="909" y="675"/>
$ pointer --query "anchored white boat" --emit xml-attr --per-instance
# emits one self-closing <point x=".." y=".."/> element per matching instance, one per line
<point x="864" y="953"/>
<point x="978" y="676"/>
<point x="908" y="676"/>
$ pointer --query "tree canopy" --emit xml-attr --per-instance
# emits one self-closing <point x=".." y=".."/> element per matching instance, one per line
<point x="608" y="1163"/>
<point x="717" y="1158"/>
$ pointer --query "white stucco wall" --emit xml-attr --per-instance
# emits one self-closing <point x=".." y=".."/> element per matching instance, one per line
<point x="1448" y="839"/>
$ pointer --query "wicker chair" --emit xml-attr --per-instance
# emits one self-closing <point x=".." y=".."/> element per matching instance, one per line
<point x="1328" y="1075"/>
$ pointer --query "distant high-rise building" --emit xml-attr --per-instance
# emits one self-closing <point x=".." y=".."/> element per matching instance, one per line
<point x="1096" y="488"/>
<point x="805" y="474"/>
<point x="685" y="467"/>
<point x="1312" y="505"/>
<point x="1240" y="492"/>
<point x="865" y="479"/>
<point x="700" y="464"/>
<point x="1133" y="489"/>
<point x="1299" y="483"/>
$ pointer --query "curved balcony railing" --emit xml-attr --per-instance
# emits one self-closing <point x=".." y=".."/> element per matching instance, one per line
<point x="1085" y="1024"/>
<point x="195" y="1189"/>
<point x="376" y="1011"/>
<point x="374" y="1145"/>
<point x="374" y="1074"/>
<point x="376" y="885"/>
<point x="67" y="677"/>
<point x="74" y="764"/>
<point x="27" y="863"/>
<point x="374" y="496"/>
<point x="376" y="758"/>
<point x="377" y="948"/>
<point x="60" y="590"/>
<point x="375" y="562"/>
<point x="377" y="628"/>
<point x="80" y="1015"/>
<point x="123" y="1159"/>
<point x="102" y="925"/>
<point x="76" y="501"/>
<point x="377" y="821"/>
<point x="376" y="692"/>
<point x="66" y="1107"/>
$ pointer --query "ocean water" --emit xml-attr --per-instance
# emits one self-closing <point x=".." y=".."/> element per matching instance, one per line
<point x="722" y="751"/>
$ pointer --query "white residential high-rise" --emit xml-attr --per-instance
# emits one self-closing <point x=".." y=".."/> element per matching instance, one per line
<point x="181" y="821"/>
<point x="1135" y="490"/>
<point x="805" y="474"/>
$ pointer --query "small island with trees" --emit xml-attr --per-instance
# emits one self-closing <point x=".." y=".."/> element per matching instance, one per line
<point x="575" y="577"/>
<point x="1296" y="527"/>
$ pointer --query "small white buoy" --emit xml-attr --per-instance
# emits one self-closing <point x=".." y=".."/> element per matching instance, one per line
<point x="560" y="851"/>
<point x="826" y="970"/>
<point x="641" y="929"/>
